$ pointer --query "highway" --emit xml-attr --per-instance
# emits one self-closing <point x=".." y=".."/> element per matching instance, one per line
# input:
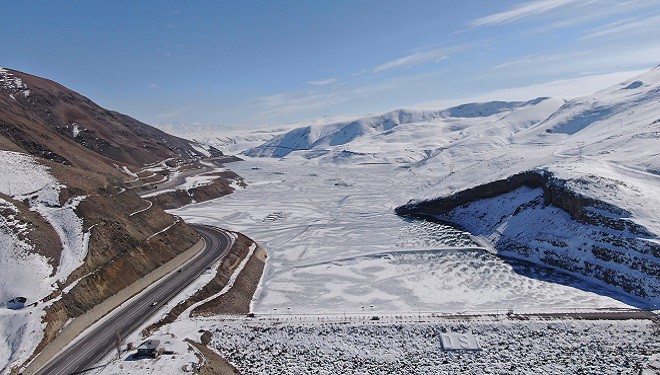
<point x="101" y="339"/>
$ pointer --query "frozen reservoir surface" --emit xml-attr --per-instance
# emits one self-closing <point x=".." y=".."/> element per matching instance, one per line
<point x="335" y="245"/>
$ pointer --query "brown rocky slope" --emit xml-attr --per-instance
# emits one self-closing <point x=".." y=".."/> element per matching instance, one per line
<point x="85" y="146"/>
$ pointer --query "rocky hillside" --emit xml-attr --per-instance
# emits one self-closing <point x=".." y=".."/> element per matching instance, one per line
<point x="535" y="216"/>
<point x="71" y="234"/>
<point x="46" y="119"/>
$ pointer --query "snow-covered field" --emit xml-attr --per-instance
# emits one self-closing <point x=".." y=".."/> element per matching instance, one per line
<point x="335" y="244"/>
<point x="404" y="344"/>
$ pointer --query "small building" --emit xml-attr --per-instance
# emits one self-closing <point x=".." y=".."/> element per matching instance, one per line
<point x="149" y="348"/>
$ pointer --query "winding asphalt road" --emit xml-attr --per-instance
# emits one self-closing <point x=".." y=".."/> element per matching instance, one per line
<point x="100" y="340"/>
<point x="180" y="179"/>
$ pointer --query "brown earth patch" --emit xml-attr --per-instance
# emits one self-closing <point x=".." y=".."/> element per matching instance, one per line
<point x="237" y="299"/>
<point x="119" y="254"/>
<point x="215" y="364"/>
<point x="229" y="264"/>
<point x="175" y="199"/>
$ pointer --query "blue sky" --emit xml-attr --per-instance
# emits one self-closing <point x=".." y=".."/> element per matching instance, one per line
<point x="254" y="63"/>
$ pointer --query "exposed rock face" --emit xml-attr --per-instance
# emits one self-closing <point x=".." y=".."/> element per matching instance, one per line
<point x="120" y="253"/>
<point x="522" y="217"/>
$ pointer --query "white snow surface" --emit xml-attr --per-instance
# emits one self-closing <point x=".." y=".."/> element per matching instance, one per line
<point x="534" y="346"/>
<point x="417" y="130"/>
<point x="13" y="85"/>
<point x="335" y="244"/>
<point x="199" y="148"/>
<point x="234" y="141"/>
<point x="75" y="130"/>
<point x="17" y="256"/>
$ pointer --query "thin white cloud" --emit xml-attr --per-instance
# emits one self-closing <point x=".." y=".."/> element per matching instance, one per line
<point x="277" y="107"/>
<point x="633" y="56"/>
<point x="535" y="60"/>
<point x="417" y="58"/>
<point x="565" y="88"/>
<point x="649" y="24"/>
<point x="174" y="113"/>
<point x="521" y="10"/>
<point x="322" y="82"/>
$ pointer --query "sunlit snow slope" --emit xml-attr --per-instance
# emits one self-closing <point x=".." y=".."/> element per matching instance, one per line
<point x="422" y="131"/>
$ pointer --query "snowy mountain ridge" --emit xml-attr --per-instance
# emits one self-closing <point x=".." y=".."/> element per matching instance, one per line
<point x="327" y="135"/>
<point x="625" y="97"/>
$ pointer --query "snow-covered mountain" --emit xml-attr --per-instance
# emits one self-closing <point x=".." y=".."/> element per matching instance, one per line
<point x="419" y="130"/>
<point x="578" y="191"/>
<point x="233" y="141"/>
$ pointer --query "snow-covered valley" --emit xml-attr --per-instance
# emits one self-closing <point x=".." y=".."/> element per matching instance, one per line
<point x="601" y="223"/>
<point x="544" y="205"/>
<point x="335" y="244"/>
<point x="546" y="208"/>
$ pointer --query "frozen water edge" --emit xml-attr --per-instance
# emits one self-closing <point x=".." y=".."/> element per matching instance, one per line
<point x="335" y="245"/>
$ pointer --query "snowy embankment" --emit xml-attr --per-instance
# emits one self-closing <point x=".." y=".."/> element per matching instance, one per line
<point x="23" y="179"/>
<point x="507" y="346"/>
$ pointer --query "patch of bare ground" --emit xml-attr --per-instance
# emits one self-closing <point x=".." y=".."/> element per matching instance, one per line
<point x="229" y="264"/>
<point x="602" y="315"/>
<point x="175" y="199"/>
<point x="215" y="364"/>
<point x="238" y="297"/>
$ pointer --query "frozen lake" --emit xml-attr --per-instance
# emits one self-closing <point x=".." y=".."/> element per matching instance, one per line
<point x="335" y="244"/>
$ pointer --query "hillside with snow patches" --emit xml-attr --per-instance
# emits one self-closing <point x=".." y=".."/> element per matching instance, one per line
<point x="591" y="207"/>
<point x="68" y="240"/>
<point x="26" y="273"/>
